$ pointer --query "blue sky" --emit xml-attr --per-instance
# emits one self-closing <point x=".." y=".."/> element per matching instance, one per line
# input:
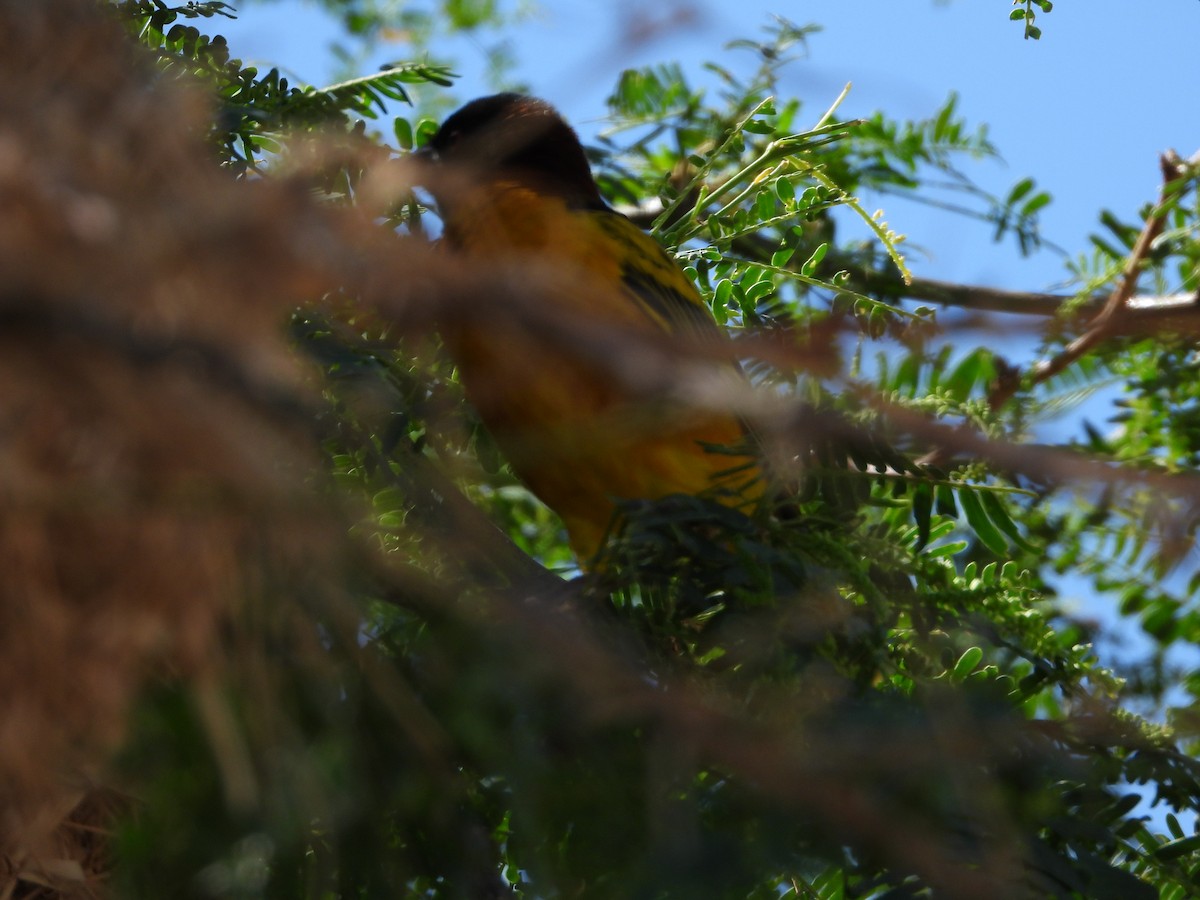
<point x="1085" y="111"/>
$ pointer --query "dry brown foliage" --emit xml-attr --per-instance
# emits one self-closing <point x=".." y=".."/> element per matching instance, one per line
<point x="154" y="473"/>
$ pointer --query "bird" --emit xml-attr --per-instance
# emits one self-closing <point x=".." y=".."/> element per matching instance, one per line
<point x="563" y="398"/>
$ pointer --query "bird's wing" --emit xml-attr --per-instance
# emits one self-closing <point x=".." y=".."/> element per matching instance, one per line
<point x="655" y="282"/>
<point x="661" y="290"/>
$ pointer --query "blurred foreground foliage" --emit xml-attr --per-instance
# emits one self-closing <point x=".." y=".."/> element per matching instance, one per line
<point x="869" y="690"/>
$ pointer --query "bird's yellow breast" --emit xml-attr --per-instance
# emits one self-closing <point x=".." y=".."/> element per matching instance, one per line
<point x="557" y="391"/>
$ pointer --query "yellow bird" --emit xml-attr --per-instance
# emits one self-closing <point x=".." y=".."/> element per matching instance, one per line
<point x="567" y="405"/>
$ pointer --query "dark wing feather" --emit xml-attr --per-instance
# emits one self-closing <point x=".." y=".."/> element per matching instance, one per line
<point x="661" y="289"/>
<point x="655" y="281"/>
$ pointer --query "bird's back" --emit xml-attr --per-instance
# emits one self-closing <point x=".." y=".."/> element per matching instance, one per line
<point x="580" y="358"/>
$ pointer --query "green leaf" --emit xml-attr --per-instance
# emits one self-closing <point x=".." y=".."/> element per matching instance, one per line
<point x="945" y="501"/>
<point x="998" y="513"/>
<point x="1020" y="189"/>
<point x="810" y="265"/>
<point x="983" y="527"/>
<point x="922" y="507"/>
<point x="942" y="122"/>
<point x="722" y="292"/>
<point x="1178" y="847"/>
<point x="951" y="549"/>
<point x="967" y="663"/>
<point x="1036" y="203"/>
<point x="1173" y="825"/>
<point x="404" y="133"/>
<point x="973" y="368"/>
<point x="1160" y="620"/>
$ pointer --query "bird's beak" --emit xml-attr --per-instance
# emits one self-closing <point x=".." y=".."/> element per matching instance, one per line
<point x="426" y="156"/>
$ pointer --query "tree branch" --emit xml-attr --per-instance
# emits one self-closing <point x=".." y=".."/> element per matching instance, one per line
<point x="1116" y="308"/>
<point x="1170" y="312"/>
<point x="1144" y="313"/>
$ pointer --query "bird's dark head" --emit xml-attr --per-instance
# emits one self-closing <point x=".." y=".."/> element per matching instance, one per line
<point x="514" y="136"/>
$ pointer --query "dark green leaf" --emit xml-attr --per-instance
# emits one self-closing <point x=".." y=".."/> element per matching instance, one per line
<point x="922" y="507"/>
<point x="985" y="530"/>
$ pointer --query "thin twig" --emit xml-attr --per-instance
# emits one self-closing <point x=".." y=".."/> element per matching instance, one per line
<point x="1107" y="323"/>
<point x="1103" y="326"/>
